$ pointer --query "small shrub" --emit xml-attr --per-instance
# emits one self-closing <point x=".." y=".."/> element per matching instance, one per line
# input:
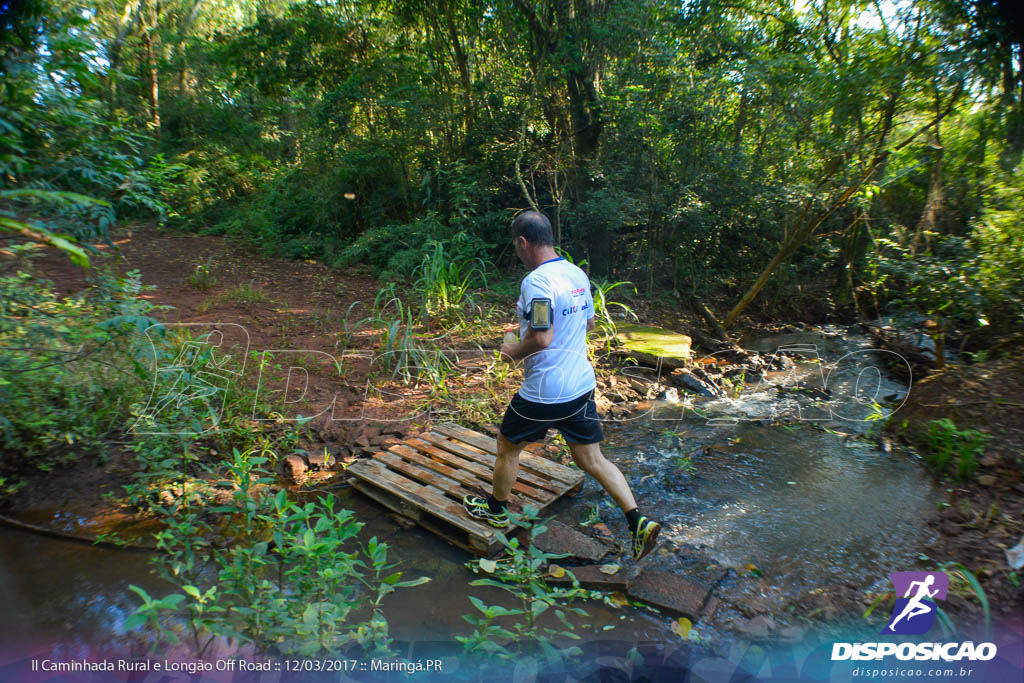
<point x="442" y="282"/>
<point x="947" y="445"/>
<point x="201" y="276"/>
<point x="521" y="574"/>
<point x="603" y="305"/>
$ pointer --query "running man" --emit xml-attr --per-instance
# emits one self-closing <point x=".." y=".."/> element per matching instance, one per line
<point x="914" y="606"/>
<point x="555" y="311"/>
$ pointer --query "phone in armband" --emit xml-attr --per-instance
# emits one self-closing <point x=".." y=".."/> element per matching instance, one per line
<point x="540" y="314"/>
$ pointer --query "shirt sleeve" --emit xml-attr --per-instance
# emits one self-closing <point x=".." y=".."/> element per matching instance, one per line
<point x="590" y="302"/>
<point x="536" y="288"/>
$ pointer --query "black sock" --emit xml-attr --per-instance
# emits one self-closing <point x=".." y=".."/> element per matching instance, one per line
<point x="633" y="517"/>
<point x="496" y="506"/>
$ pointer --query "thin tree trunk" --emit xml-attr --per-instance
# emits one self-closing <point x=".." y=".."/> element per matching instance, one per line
<point x="933" y="203"/>
<point x="154" y="83"/>
<point x="129" y="17"/>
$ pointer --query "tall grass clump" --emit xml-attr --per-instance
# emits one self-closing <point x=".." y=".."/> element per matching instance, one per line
<point x="442" y="283"/>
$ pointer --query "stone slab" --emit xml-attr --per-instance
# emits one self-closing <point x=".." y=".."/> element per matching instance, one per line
<point x="591" y="577"/>
<point x="670" y="592"/>
<point x="563" y="539"/>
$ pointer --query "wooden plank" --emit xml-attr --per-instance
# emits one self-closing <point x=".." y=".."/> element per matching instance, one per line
<point x="537" y="463"/>
<point x="458" y="448"/>
<point x="408" y="458"/>
<point x="461" y="449"/>
<point x="388" y="500"/>
<point x="424" y="476"/>
<point x="462" y="476"/>
<point x="483" y="472"/>
<point x="377" y="474"/>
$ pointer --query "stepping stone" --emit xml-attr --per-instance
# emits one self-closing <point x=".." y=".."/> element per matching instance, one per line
<point x="560" y="538"/>
<point x="670" y="592"/>
<point x="591" y="577"/>
<point x="758" y="628"/>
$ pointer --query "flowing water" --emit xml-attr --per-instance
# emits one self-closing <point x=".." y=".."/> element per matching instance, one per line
<point x="781" y="473"/>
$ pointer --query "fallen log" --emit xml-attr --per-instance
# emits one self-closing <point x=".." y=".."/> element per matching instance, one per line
<point x="918" y="360"/>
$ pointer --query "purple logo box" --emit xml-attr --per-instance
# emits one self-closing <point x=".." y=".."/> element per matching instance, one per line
<point x="916" y="593"/>
<point x="901" y="582"/>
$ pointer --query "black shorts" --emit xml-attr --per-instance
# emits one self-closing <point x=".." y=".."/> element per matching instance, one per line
<point x="577" y="420"/>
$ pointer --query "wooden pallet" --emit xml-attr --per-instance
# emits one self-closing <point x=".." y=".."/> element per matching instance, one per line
<point x="425" y="477"/>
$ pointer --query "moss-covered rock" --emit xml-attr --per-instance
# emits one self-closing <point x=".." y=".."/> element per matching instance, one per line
<point x="647" y="344"/>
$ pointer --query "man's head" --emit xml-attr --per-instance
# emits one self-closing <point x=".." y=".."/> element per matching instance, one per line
<point x="534" y="227"/>
<point x="533" y="238"/>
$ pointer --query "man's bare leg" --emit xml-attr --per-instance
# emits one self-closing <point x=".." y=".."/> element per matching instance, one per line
<point x="590" y="459"/>
<point x="506" y="468"/>
<point x="643" y="531"/>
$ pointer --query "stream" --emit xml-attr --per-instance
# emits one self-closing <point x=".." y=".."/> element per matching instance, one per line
<point x="779" y="474"/>
<point x="781" y="479"/>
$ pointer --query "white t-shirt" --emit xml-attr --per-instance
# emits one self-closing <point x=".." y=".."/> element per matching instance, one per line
<point x="562" y="371"/>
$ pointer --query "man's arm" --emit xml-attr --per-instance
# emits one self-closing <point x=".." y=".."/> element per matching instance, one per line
<point x="533" y="341"/>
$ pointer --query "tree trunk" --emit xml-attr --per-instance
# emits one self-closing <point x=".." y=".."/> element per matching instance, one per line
<point x="154" y="85"/>
<point x="933" y="203"/>
<point x="129" y="17"/>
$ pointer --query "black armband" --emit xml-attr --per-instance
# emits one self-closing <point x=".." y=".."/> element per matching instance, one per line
<point x="540" y="314"/>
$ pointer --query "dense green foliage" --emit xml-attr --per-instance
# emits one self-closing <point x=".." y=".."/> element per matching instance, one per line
<point x="66" y="373"/>
<point x="686" y="147"/>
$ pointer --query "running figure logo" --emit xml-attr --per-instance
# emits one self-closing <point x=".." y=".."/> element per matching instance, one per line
<point x="914" y="613"/>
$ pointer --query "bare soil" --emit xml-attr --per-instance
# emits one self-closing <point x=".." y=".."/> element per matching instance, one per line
<point x="985" y="514"/>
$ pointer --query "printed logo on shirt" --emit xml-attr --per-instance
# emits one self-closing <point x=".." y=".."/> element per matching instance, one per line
<point x="573" y="309"/>
<point x="578" y="292"/>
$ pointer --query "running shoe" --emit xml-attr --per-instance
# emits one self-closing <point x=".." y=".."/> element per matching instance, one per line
<point x="645" y="537"/>
<point x="477" y="507"/>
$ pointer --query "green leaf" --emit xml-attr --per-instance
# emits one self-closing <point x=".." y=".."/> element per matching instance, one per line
<point x="134" y="621"/>
<point x="478" y="603"/>
<point x="414" y="582"/>
<point x="171" y="601"/>
<point x="140" y="592"/>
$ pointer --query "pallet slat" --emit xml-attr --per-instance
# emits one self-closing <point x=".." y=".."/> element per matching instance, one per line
<point x="489" y="444"/>
<point x="461" y="449"/>
<point x="416" y="472"/>
<point x="486" y="472"/>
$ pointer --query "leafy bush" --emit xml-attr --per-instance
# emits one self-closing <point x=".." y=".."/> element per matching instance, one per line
<point x="69" y="368"/>
<point x="74" y="147"/>
<point x="999" y="239"/>
<point x="603" y="305"/>
<point x="442" y="283"/>
<point x="397" y="249"/>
